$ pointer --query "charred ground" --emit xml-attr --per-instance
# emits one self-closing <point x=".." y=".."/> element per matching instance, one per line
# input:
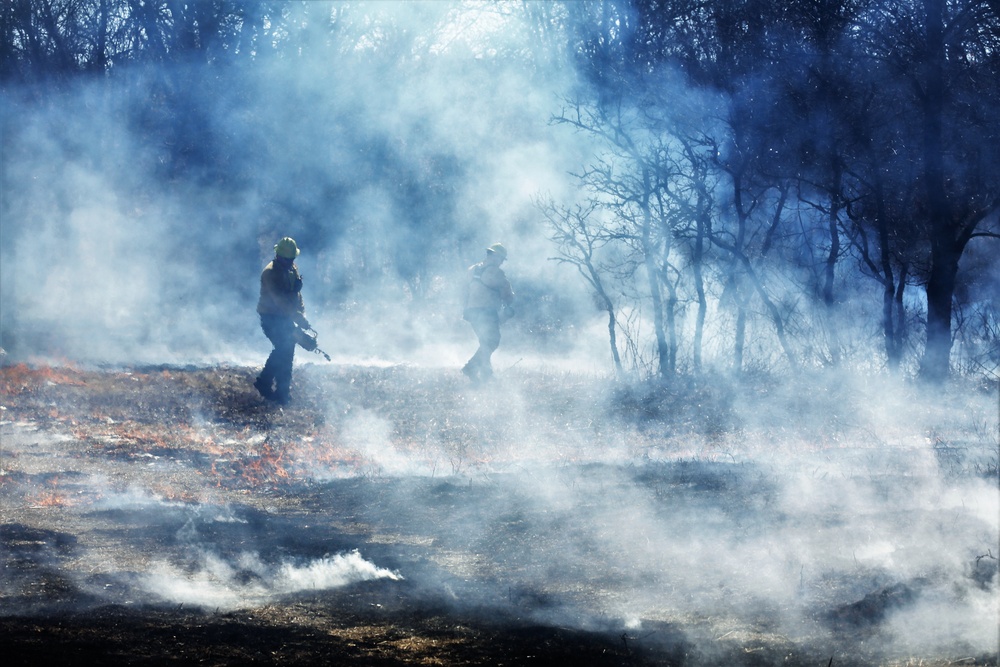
<point x="507" y="515"/>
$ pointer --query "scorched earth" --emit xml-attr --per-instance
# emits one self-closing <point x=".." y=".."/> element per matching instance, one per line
<point x="398" y="516"/>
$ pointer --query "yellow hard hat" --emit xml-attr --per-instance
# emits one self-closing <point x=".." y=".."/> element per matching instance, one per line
<point x="286" y="248"/>
<point x="498" y="249"/>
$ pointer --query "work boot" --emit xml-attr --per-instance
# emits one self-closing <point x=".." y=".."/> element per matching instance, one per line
<point x="263" y="388"/>
<point x="282" y="390"/>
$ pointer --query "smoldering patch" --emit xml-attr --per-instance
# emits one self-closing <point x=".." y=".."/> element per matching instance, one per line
<point x="211" y="580"/>
<point x="542" y="498"/>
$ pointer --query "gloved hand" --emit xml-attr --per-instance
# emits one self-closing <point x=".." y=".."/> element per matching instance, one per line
<point x="302" y="322"/>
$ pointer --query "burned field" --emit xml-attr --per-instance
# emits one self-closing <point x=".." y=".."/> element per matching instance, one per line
<point x="397" y="516"/>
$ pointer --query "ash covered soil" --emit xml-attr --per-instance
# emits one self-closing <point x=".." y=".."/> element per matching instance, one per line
<point x="399" y="516"/>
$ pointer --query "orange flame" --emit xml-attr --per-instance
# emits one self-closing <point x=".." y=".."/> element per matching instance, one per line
<point x="22" y="377"/>
<point x="49" y="497"/>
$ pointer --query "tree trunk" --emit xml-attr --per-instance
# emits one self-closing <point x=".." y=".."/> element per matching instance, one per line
<point x="739" y="346"/>
<point x="830" y="269"/>
<point x="888" y="330"/>
<point x="662" y="352"/>
<point x="890" y="333"/>
<point x="944" y="259"/>
<point x="99" y="61"/>
<point x="699" y="286"/>
<point x="900" y="327"/>
<point x="940" y="290"/>
<point x="740" y="338"/>
<point x="609" y="308"/>
<point x="613" y="337"/>
<point x="670" y="309"/>
<point x="649" y="260"/>
<point x="671" y="327"/>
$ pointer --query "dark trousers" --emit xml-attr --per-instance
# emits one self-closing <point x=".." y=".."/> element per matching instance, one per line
<point x="278" y="368"/>
<point x="486" y="323"/>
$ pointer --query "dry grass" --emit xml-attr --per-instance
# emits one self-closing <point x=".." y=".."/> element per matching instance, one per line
<point x="504" y="506"/>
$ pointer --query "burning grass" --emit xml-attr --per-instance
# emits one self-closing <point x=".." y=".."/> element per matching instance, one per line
<point x="158" y="514"/>
<point x="21" y="378"/>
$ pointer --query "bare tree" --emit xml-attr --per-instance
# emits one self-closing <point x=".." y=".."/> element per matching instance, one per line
<point x="579" y="239"/>
<point x="626" y="183"/>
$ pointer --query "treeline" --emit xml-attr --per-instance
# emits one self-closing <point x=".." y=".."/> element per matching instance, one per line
<point x="768" y="176"/>
<point x="821" y="145"/>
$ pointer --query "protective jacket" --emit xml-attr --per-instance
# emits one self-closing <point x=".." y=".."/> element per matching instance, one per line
<point x="281" y="291"/>
<point x="487" y="287"/>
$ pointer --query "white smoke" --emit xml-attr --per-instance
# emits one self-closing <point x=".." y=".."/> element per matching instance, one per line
<point x="107" y="260"/>
<point x="371" y="436"/>
<point x="215" y="582"/>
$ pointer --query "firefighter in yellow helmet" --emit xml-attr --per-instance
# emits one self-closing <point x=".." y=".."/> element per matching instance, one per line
<point x="281" y="309"/>
<point x="487" y="293"/>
